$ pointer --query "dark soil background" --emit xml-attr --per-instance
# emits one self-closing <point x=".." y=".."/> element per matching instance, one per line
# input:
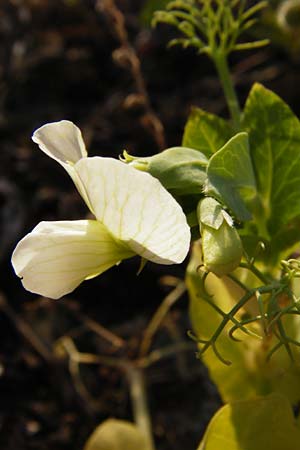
<point x="58" y="61"/>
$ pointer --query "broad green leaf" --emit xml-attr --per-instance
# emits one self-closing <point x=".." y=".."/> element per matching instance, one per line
<point x="230" y="176"/>
<point x="250" y="373"/>
<point x="116" y="435"/>
<point x="206" y="132"/>
<point x="258" y="424"/>
<point x="285" y="242"/>
<point x="274" y="133"/>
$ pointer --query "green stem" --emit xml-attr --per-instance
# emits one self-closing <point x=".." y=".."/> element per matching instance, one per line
<point x="220" y="59"/>
<point x="230" y="315"/>
<point x="140" y="408"/>
<point x="256" y="272"/>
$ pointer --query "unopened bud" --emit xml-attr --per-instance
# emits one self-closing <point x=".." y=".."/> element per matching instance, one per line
<point x="221" y="244"/>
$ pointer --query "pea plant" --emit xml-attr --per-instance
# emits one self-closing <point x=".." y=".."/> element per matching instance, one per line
<point x="230" y="193"/>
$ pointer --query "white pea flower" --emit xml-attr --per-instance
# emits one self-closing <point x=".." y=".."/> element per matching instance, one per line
<point x="134" y="215"/>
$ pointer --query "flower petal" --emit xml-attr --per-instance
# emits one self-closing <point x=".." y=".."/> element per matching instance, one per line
<point x="56" y="257"/>
<point x="61" y="141"/>
<point x="136" y="209"/>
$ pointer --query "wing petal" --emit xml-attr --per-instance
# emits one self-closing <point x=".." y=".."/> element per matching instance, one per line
<point x="56" y="257"/>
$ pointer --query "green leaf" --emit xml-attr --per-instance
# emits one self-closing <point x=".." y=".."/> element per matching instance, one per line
<point x="116" y="435"/>
<point x="286" y="241"/>
<point x="231" y="177"/>
<point x="206" y="132"/>
<point x="274" y="133"/>
<point x="236" y="380"/>
<point x="250" y="373"/>
<point x="258" y="424"/>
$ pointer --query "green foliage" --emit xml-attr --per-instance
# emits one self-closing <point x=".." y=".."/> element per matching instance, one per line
<point x="206" y="132"/>
<point x="244" y="298"/>
<point x="247" y="322"/>
<point x="230" y="176"/>
<point x="233" y="174"/>
<point x="256" y="424"/>
<point x="149" y="8"/>
<point x="210" y="26"/>
<point x="232" y="344"/>
<point x="116" y="435"/>
<point x="274" y="134"/>
<point x="234" y="379"/>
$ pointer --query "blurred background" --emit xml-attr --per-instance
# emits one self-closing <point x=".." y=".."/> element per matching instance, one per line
<point x="99" y="64"/>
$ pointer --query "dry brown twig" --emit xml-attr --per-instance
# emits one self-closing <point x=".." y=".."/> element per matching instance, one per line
<point x="127" y="58"/>
<point x="160" y="315"/>
<point x="90" y="324"/>
<point x="26" y="331"/>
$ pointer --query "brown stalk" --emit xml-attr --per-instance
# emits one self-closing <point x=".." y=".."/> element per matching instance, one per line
<point x="126" y="57"/>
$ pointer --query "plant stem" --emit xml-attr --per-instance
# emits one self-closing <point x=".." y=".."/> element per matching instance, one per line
<point x="230" y="315"/>
<point x="255" y="272"/>
<point x="140" y="408"/>
<point x="220" y="60"/>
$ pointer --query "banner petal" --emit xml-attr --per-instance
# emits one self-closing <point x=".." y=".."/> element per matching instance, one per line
<point x="136" y="209"/>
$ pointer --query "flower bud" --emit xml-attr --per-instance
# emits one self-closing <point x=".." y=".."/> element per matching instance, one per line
<point x="221" y="244"/>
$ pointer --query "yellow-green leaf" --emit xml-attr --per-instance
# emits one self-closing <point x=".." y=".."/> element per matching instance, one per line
<point x="206" y="132"/>
<point x="250" y="373"/>
<point x="274" y="133"/>
<point x="258" y="424"/>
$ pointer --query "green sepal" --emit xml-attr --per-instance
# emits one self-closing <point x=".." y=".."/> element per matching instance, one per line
<point x="143" y="263"/>
<point x="181" y="170"/>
